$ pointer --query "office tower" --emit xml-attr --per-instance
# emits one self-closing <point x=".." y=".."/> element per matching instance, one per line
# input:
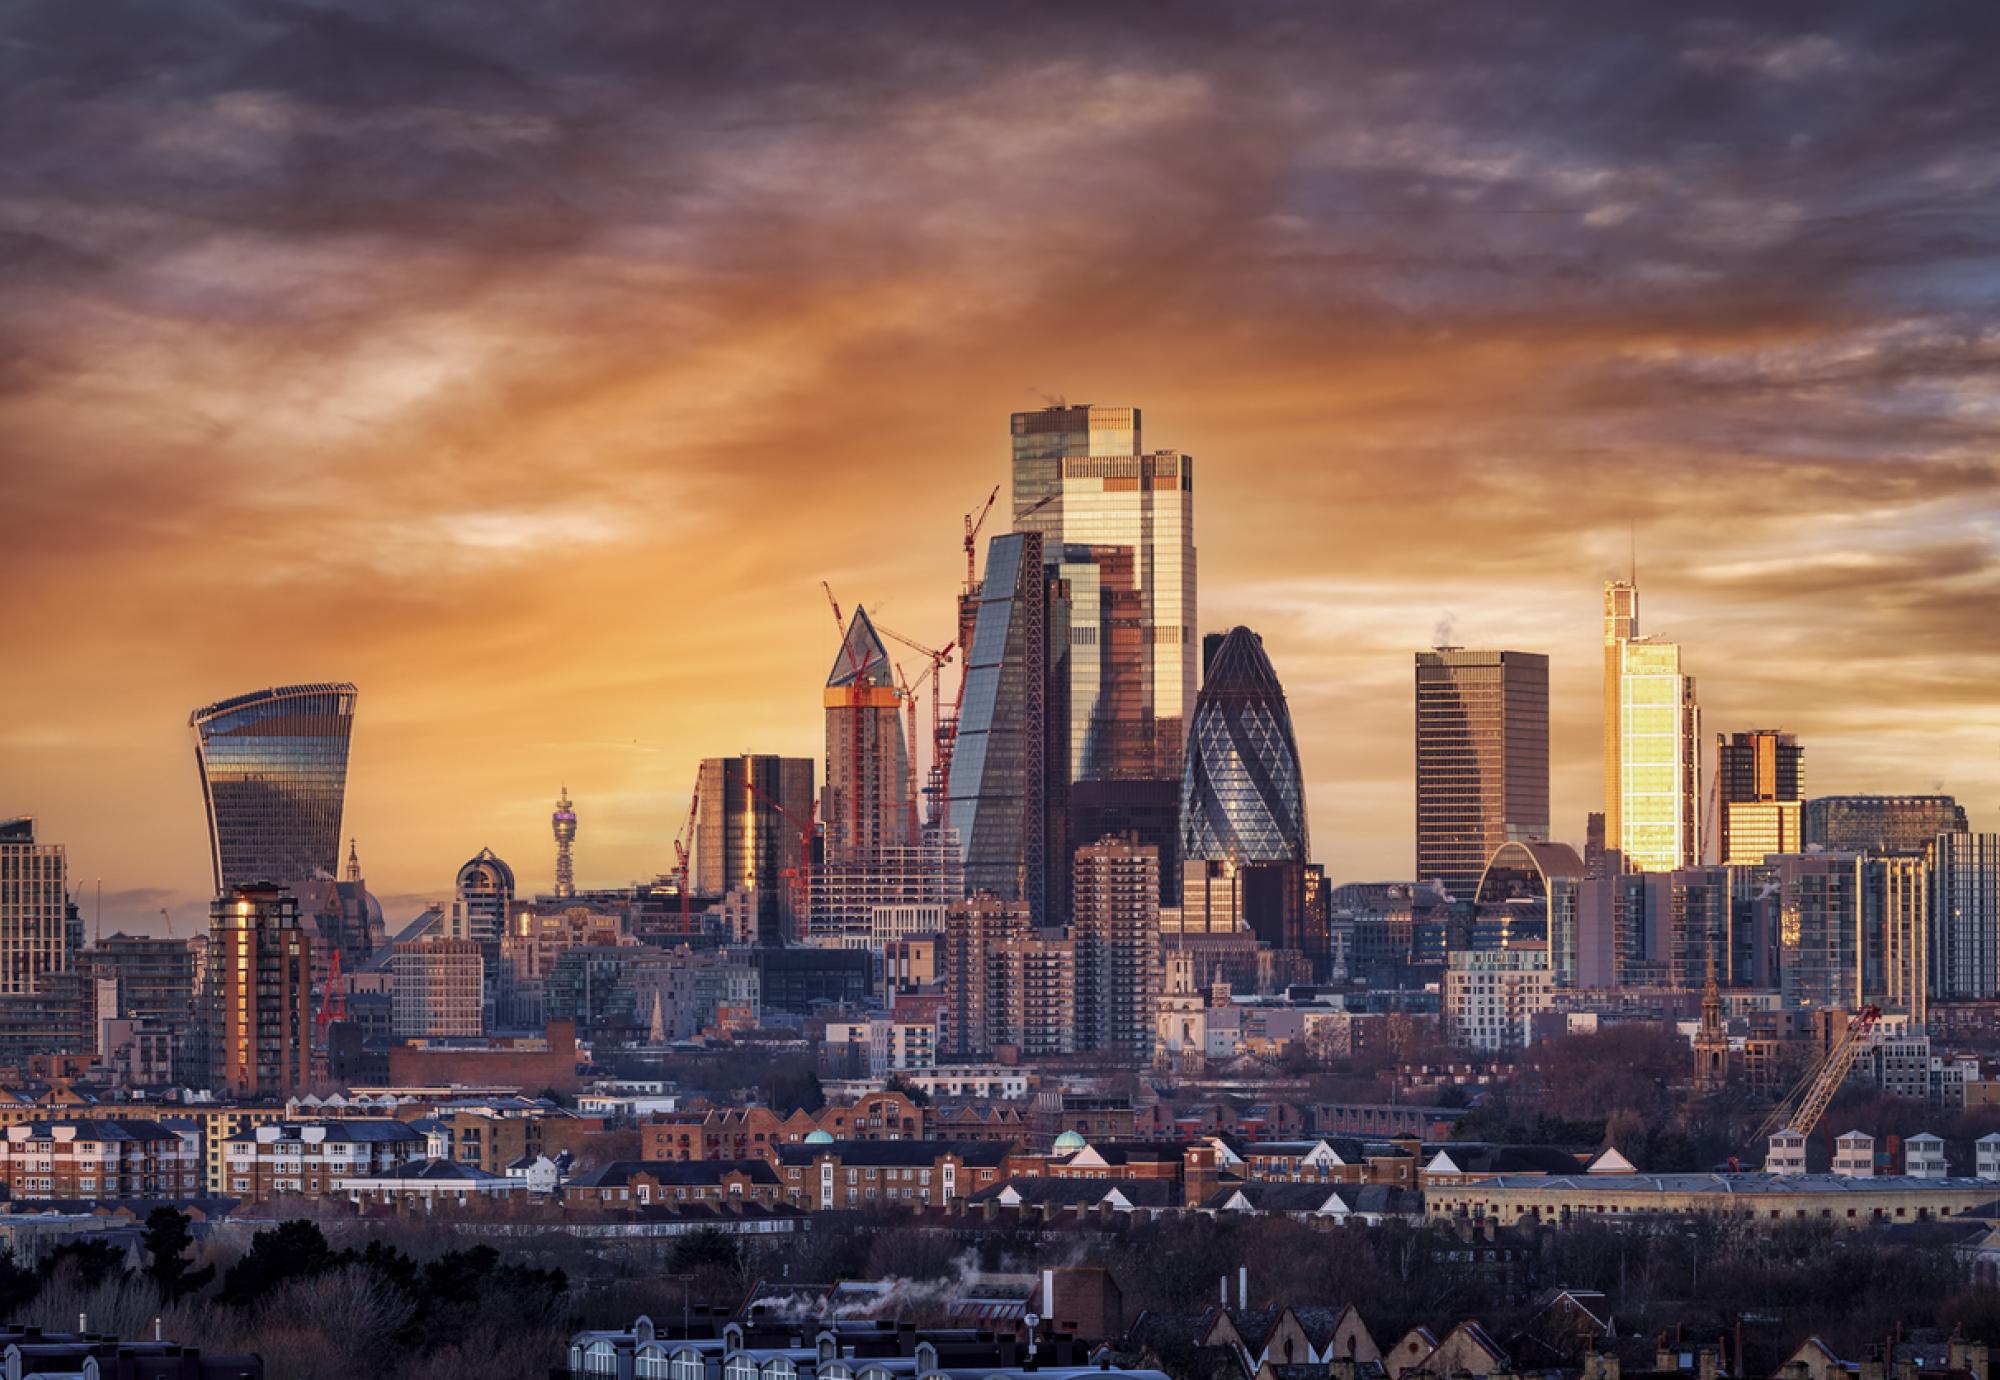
<point x="1964" y="884"/>
<point x="1115" y="898"/>
<point x="1896" y="944"/>
<point x="40" y="931"/>
<point x="1819" y="901"/>
<point x="1482" y="759"/>
<point x="1652" y="744"/>
<point x="1597" y="858"/>
<point x="1511" y="900"/>
<point x="257" y="997"/>
<point x="482" y="899"/>
<point x="1119" y="525"/>
<point x="273" y="775"/>
<point x="1009" y="785"/>
<point x="1902" y="824"/>
<point x="1242" y="793"/>
<point x="867" y="804"/>
<point x="563" y="822"/>
<point x="1043" y="439"/>
<point x="752" y="835"/>
<point x="440" y="988"/>
<point x="1759" y="781"/>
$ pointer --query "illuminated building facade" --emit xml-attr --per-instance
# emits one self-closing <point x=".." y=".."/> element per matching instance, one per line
<point x="273" y="779"/>
<point x="40" y="932"/>
<point x="1964" y="879"/>
<point x="563" y="823"/>
<point x="1819" y="901"/>
<point x="1242" y="793"/>
<point x="1652" y="744"/>
<point x="1042" y="440"/>
<point x="1008" y="792"/>
<point x="867" y="805"/>
<point x="753" y="841"/>
<point x="257" y="994"/>
<point x="482" y="899"/>
<point x="440" y="988"/>
<point x="1482" y="759"/>
<point x="1896" y="943"/>
<point x="1760" y="780"/>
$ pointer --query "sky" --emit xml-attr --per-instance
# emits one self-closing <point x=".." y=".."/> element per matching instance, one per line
<point x="530" y="365"/>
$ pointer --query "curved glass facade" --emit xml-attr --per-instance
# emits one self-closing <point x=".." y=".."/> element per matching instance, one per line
<point x="1242" y="794"/>
<point x="273" y="778"/>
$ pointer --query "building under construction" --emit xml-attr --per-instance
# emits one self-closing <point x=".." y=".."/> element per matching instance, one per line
<point x="866" y="806"/>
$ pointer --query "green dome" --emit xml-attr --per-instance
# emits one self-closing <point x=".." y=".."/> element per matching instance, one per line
<point x="818" y="1138"/>
<point x="1070" y="1141"/>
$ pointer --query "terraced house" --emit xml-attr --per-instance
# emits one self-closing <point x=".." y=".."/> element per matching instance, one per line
<point x="309" y="1157"/>
<point x="99" y="1159"/>
<point x="826" y="1173"/>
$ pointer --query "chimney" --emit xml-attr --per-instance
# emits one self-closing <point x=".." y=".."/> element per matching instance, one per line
<point x="1049" y="1296"/>
<point x="1242" y="1286"/>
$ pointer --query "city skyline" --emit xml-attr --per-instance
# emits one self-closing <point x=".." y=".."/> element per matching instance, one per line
<point x="1438" y="354"/>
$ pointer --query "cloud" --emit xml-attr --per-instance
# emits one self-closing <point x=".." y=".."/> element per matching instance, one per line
<point x="531" y="365"/>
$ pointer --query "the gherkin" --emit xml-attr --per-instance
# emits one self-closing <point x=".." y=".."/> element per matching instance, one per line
<point x="1242" y="795"/>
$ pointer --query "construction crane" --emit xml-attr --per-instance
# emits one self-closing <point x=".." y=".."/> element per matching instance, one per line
<point x="332" y="1000"/>
<point x="168" y="921"/>
<point x="940" y="657"/>
<point x="681" y="854"/>
<point x="972" y="526"/>
<point x="801" y="876"/>
<point x="1801" y="1108"/>
<point x="850" y="802"/>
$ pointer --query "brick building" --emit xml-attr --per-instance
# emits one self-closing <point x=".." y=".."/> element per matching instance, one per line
<point x="644" y="1183"/>
<point x="830" y="1174"/>
<point x="99" y="1159"/>
<point x="743" y="1132"/>
<point x="307" y="1157"/>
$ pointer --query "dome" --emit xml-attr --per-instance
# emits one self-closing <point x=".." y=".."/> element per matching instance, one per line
<point x="819" y="1138"/>
<point x="1069" y="1142"/>
<point x="1242" y="795"/>
<point x="485" y="873"/>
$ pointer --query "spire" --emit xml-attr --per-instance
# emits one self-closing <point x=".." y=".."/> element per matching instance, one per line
<point x="353" y="862"/>
<point x="863" y="659"/>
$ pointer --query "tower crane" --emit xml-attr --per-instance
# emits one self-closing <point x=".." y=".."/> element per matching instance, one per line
<point x="682" y="851"/>
<point x="972" y="526"/>
<point x="940" y="657"/>
<point x="1801" y="1108"/>
<point x="332" y="1000"/>
<point x="168" y="921"/>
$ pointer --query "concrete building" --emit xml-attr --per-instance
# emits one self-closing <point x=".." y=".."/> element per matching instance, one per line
<point x="40" y="931"/>
<point x="1116" y="929"/>
<point x="439" y="987"/>
<point x="1492" y="997"/>
<point x="1482" y="759"/>
<point x="1849" y="1202"/>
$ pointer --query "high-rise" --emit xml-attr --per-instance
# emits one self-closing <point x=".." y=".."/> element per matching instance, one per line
<point x="1242" y="792"/>
<point x="1116" y="930"/>
<point x="1652" y="743"/>
<point x="751" y="836"/>
<point x="563" y="824"/>
<point x="866" y="805"/>
<point x="40" y="932"/>
<point x="1964" y="884"/>
<point x="1482" y="759"/>
<point x="273" y="770"/>
<point x="1118" y="523"/>
<point x="1009" y="785"/>
<point x="1759" y="783"/>
<point x="257" y="994"/>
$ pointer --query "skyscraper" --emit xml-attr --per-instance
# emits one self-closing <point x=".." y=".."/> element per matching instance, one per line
<point x="1009" y="786"/>
<point x="867" y="805"/>
<point x="563" y="822"/>
<point x="482" y="899"/>
<point x="1482" y="760"/>
<point x="1119" y="525"/>
<point x="257" y="994"/>
<point x="273" y="777"/>
<point x="1759" y="779"/>
<point x="1652" y="743"/>
<point x="750" y="836"/>
<point x="1242" y="793"/>
<point x="1902" y="824"/>
<point x="1116" y="928"/>
<point x="1819" y="899"/>
<point x="40" y="931"/>
<point x="1964" y="883"/>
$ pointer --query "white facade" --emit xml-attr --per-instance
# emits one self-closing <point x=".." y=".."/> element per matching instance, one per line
<point x="1491" y="998"/>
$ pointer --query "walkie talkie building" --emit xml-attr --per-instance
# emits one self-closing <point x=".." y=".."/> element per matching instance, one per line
<point x="273" y="779"/>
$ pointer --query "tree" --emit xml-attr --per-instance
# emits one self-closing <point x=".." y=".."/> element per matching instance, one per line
<point x="898" y="1084"/>
<point x="291" y="1250"/>
<point x="168" y="1238"/>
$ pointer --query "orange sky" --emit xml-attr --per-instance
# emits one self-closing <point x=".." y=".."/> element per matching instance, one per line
<point x="532" y="375"/>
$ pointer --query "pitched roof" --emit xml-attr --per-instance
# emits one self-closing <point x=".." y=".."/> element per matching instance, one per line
<point x="674" y="1173"/>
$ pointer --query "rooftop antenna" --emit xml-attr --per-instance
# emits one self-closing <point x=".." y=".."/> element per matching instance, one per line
<point x="1052" y="399"/>
<point x="100" y="913"/>
<point x="1635" y="552"/>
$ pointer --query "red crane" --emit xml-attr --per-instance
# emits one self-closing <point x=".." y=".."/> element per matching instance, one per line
<point x="940" y="657"/>
<point x="332" y="1000"/>
<point x="972" y="526"/>
<point x="800" y="876"/>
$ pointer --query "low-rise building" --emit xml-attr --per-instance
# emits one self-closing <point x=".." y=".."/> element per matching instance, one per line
<point x="643" y="1183"/>
<point x="1762" y="1199"/>
<point x="309" y="1158"/>
<point x="830" y="1174"/>
<point x="99" y="1159"/>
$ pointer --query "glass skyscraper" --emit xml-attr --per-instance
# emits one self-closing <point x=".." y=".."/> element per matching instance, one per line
<point x="1482" y="760"/>
<point x="1009" y="786"/>
<point x="1119" y="525"/>
<point x="1242" y="793"/>
<point x="1880" y="823"/>
<point x="1759" y="778"/>
<point x="1652" y="744"/>
<point x="744" y="842"/>
<point x="273" y="779"/>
